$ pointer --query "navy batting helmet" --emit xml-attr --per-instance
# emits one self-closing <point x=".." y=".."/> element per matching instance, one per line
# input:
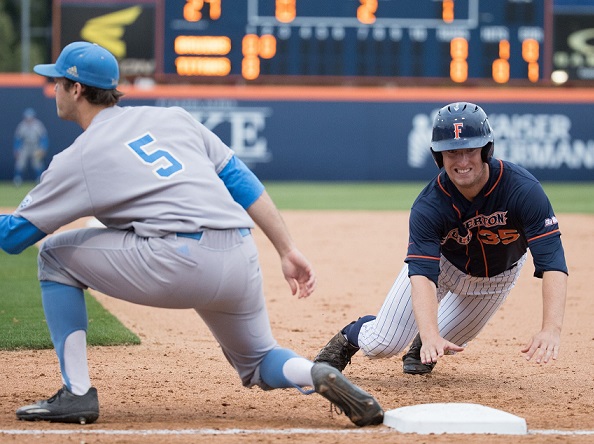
<point x="458" y="126"/>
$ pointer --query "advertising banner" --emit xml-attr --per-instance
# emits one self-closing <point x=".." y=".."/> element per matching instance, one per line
<point x="336" y="139"/>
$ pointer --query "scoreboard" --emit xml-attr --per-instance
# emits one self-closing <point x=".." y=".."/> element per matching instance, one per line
<point x="363" y="41"/>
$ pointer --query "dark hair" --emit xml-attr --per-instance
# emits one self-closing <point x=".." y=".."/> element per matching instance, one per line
<point x="96" y="96"/>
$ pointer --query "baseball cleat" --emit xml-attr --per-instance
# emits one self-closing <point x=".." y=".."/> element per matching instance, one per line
<point x="64" y="406"/>
<point x="361" y="408"/>
<point x="411" y="361"/>
<point x="337" y="352"/>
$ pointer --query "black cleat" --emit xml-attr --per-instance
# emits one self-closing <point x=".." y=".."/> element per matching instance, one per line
<point x="64" y="406"/>
<point x="337" y="352"/>
<point x="361" y="408"/>
<point x="411" y="361"/>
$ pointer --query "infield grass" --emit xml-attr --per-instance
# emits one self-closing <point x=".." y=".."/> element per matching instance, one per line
<point x="22" y="323"/>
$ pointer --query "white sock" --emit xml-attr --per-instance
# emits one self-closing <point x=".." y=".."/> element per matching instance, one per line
<point x="298" y="371"/>
<point x="75" y="362"/>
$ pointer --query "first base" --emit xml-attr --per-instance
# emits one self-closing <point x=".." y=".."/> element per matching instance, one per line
<point x="454" y="418"/>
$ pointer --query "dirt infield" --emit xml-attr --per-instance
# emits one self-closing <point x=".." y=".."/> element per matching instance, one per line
<point x="177" y="387"/>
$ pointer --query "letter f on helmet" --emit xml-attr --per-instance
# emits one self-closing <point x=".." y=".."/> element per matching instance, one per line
<point x="458" y="129"/>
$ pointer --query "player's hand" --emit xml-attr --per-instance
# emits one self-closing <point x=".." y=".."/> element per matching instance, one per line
<point x="543" y="347"/>
<point x="433" y="349"/>
<point x="299" y="273"/>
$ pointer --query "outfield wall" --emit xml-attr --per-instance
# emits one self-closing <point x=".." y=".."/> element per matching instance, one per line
<point x="344" y="134"/>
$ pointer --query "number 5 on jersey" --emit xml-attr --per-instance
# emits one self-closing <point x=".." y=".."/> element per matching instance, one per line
<point x="168" y="165"/>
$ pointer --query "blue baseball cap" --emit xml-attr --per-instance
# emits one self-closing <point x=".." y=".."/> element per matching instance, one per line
<point x="86" y="63"/>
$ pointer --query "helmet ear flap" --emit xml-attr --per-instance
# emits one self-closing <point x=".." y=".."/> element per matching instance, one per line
<point x="487" y="152"/>
<point x="438" y="158"/>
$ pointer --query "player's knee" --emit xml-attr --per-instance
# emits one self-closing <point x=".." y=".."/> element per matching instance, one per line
<point x="379" y="353"/>
<point x="44" y="256"/>
<point x="376" y="347"/>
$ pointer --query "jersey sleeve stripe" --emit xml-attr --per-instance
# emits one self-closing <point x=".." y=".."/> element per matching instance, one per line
<point x="544" y="235"/>
<point x="416" y="256"/>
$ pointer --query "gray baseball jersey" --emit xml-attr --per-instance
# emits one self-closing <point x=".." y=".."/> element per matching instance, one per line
<point x="151" y="175"/>
<point x="147" y="169"/>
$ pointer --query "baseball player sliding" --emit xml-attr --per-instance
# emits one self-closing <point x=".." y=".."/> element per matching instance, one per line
<point x="469" y="232"/>
<point x="178" y="207"/>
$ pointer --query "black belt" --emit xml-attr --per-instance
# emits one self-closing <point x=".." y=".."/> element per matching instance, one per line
<point x="243" y="231"/>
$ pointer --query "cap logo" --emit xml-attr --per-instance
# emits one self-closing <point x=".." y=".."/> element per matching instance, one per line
<point x="72" y="71"/>
<point x="458" y="129"/>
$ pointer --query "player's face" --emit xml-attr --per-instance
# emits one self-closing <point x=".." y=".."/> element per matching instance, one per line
<point x="64" y="100"/>
<point x="467" y="170"/>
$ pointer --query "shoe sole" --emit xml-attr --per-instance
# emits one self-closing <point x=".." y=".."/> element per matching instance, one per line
<point x="416" y="371"/>
<point x="417" y="368"/>
<point x="80" y="418"/>
<point x="361" y="408"/>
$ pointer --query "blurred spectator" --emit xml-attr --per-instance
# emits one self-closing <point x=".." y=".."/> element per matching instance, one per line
<point x="30" y="145"/>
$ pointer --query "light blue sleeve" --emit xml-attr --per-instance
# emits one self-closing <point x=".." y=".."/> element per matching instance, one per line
<point x="243" y="185"/>
<point x="17" y="233"/>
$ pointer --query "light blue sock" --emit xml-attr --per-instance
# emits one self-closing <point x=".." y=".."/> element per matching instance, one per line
<point x="271" y="369"/>
<point x="65" y="312"/>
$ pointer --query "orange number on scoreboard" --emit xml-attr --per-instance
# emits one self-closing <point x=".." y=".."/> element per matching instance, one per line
<point x="500" y="68"/>
<point x="501" y="71"/>
<point x="459" y="65"/>
<point x="447" y="11"/>
<point x="530" y="53"/>
<point x="285" y="10"/>
<point x="366" y="12"/>
<point x="193" y="10"/>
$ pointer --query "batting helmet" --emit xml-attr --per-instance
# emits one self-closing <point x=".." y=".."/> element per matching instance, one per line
<point x="458" y="126"/>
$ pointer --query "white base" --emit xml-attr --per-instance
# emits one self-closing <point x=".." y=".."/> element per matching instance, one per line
<point x="454" y="418"/>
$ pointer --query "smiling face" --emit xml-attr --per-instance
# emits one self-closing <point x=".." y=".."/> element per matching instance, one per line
<point x="466" y="170"/>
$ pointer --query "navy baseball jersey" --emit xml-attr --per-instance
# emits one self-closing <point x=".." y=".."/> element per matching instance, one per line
<point x="487" y="236"/>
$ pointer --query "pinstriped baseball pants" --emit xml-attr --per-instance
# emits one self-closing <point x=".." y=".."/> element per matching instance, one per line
<point x="466" y="304"/>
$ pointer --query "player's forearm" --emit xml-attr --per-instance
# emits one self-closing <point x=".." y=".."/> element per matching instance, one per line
<point x="554" y="291"/>
<point x="424" y="301"/>
<point x="267" y="217"/>
<point x="17" y="233"/>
